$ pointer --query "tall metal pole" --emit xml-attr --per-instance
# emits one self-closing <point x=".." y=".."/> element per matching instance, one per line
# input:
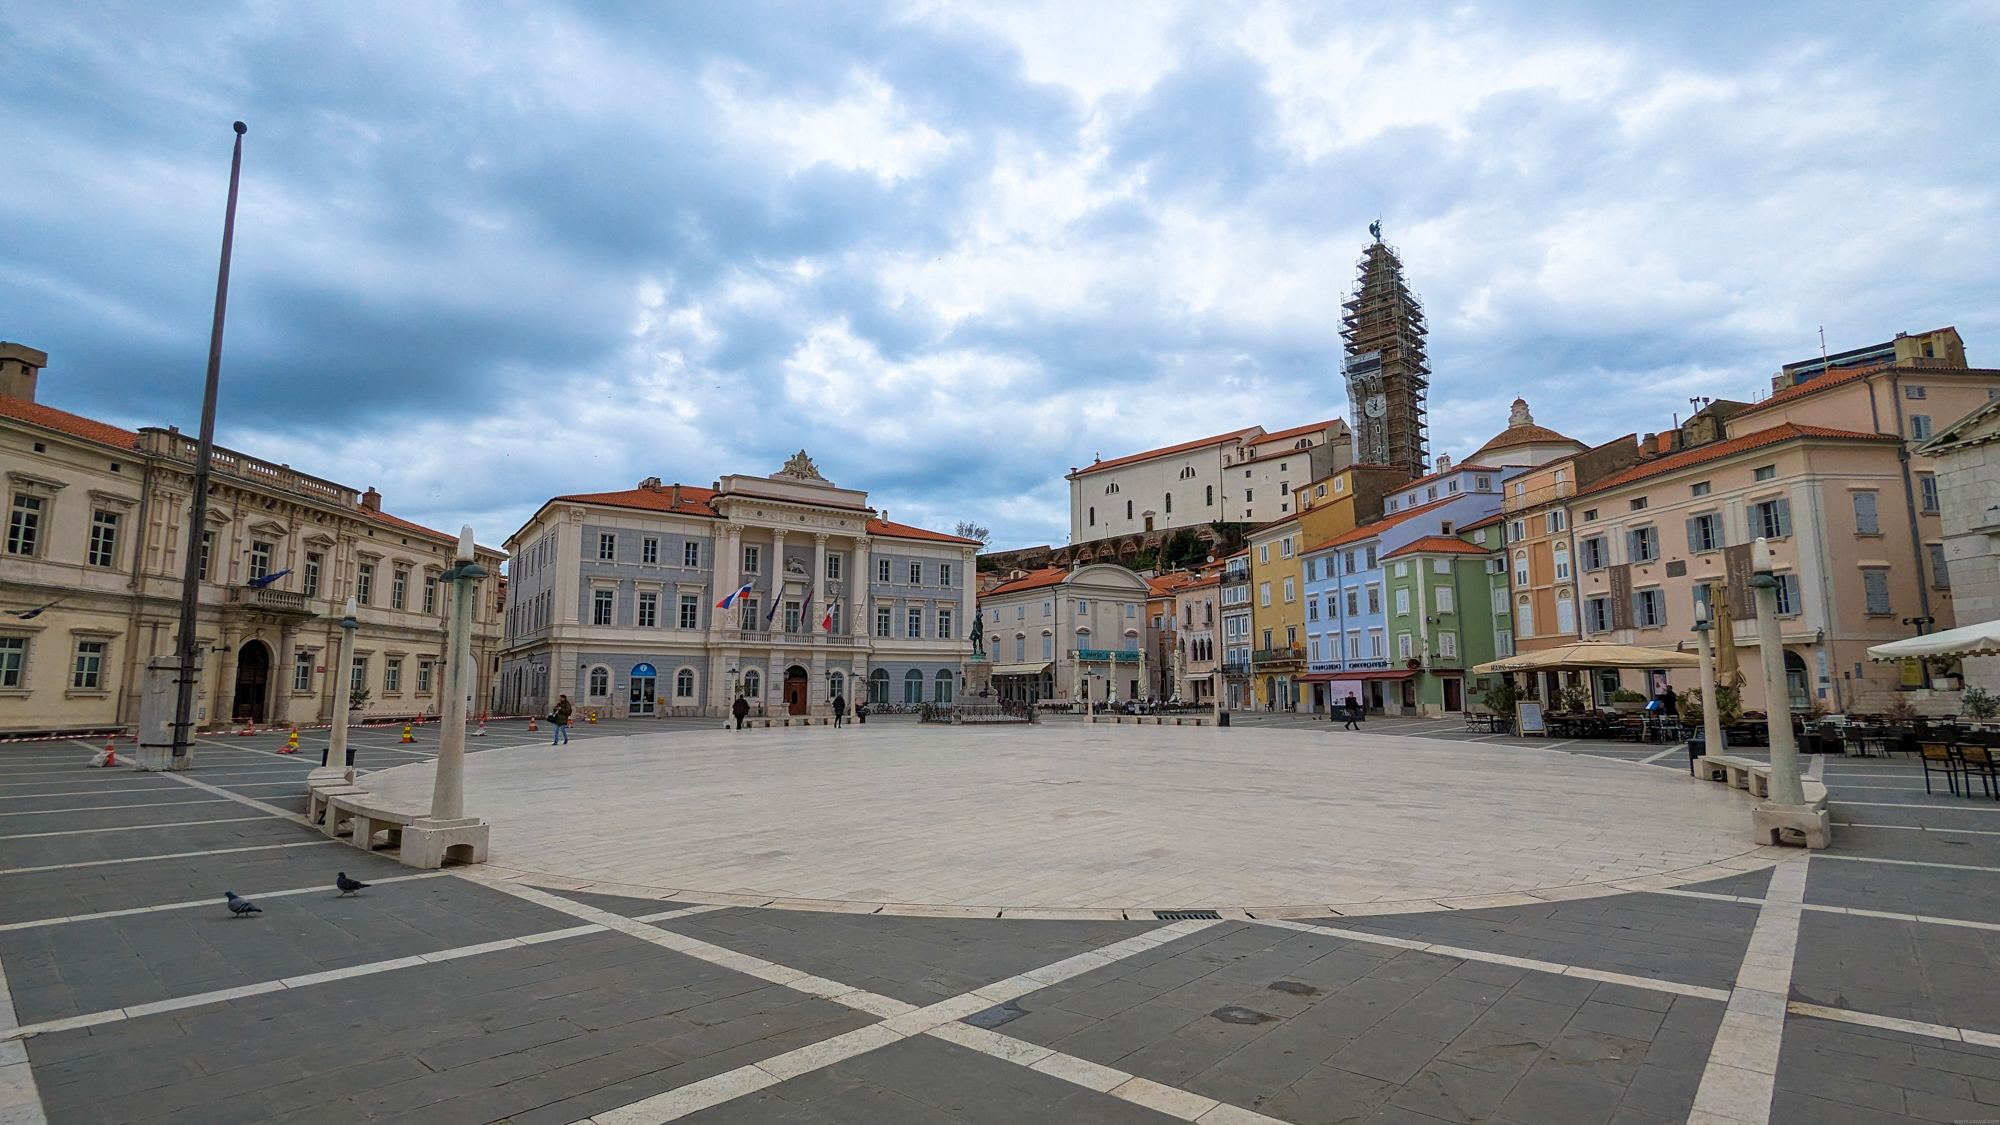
<point x="342" y="667"/>
<point x="448" y="790"/>
<point x="1711" y="707"/>
<point x="198" y="516"/>
<point x="1785" y="787"/>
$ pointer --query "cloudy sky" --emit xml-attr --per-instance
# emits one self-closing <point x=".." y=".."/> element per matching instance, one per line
<point x="493" y="252"/>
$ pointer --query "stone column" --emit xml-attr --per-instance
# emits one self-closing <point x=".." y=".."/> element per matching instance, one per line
<point x="728" y="576"/>
<point x="1785" y="789"/>
<point x="818" y="608"/>
<point x="859" y="608"/>
<point x="225" y="681"/>
<point x="281" y="676"/>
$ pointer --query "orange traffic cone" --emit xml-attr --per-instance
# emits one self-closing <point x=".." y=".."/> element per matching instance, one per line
<point x="593" y="716"/>
<point x="481" y="732"/>
<point x="110" y="757"/>
<point x="406" y="733"/>
<point x="248" y="728"/>
<point x="531" y="722"/>
<point x="291" y="744"/>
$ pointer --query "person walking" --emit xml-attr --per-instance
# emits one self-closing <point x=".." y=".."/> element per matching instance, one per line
<point x="839" y="709"/>
<point x="1353" y="709"/>
<point x="739" y="709"/>
<point x="559" y="720"/>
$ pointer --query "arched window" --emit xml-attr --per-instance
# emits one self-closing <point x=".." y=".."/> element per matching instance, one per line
<point x="1562" y="563"/>
<point x="878" y="686"/>
<point x="837" y="684"/>
<point x="1020" y="647"/>
<point x="600" y="682"/>
<point x="1520" y="568"/>
<point x="941" y="686"/>
<point x="1211" y="495"/>
<point x="1128" y="509"/>
<point x="1187" y="472"/>
<point x="1303" y="443"/>
<point x="913" y="687"/>
<point x="684" y="684"/>
<point x="753" y="684"/>
<point x="1093" y="516"/>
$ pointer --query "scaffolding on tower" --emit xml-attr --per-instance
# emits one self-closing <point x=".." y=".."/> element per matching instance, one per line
<point x="1387" y="374"/>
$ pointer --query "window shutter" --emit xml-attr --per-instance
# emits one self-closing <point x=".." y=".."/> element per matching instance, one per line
<point x="1632" y="546"/>
<point x="1638" y="608"/>
<point x="1784" y="510"/>
<point x="1877" y="584"/>
<point x="1865" y="521"/>
<point x="1694" y="536"/>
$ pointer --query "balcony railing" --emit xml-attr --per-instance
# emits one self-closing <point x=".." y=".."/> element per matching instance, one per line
<point x="1235" y="668"/>
<point x="1284" y="654"/>
<point x="263" y="597"/>
<point x="1539" y="495"/>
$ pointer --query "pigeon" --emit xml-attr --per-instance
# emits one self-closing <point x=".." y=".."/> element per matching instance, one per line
<point x="240" y="906"/>
<point x="347" y="886"/>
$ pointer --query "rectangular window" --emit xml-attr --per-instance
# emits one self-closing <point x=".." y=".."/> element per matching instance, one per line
<point x="607" y="547"/>
<point x="1353" y="603"/>
<point x="208" y="553"/>
<point x="792" y="619"/>
<point x="944" y="624"/>
<point x="1788" y="594"/>
<point x="1312" y="608"/>
<point x="600" y="607"/>
<point x="1915" y="392"/>
<point x="944" y="574"/>
<point x="882" y="621"/>
<point x="833" y="567"/>
<point x="690" y="554"/>
<point x="882" y="570"/>
<point x="1375" y="644"/>
<point x="1875" y="583"/>
<point x="1445" y="602"/>
<point x="1649" y="609"/>
<point x="1940" y="576"/>
<point x="748" y="621"/>
<point x="1553" y="521"/>
<point x="423" y="677"/>
<point x="1290" y="594"/>
<point x="1403" y="603"/>
<point x="1927" y="487"/>
<point x="1700" y="489"/>
<point x="1639" y="504"/>
<point x="753" y="558"/>
<point x="649" y="610"/>
<point x="88" y="673"/>
<point x="1764" y="472"/>
<point x="1264" y="553"/>
<point x="13" y="661"/>
<point x="430" y="594"/>
<point x="1374" y="599"/>
<point x="690" y="612"/>
<point x="302" y="671"/>
<point x="314" y="564"/>
<point x="649" y="550"/>
<point x="357" y="675"/>
<point x="392" y="675"/>
<point x="1865" y="519"/>
<point x="1771" y="519"/>
<point x="916" y="574"/>
<point x="1593" y="553"/>
<point x="1285" y="547"/>
<point x="1370" y="557"/>
<point x="1517" y="531"/>
<point x="1705" y="532"/>
<point x="1643" y="544"/>
<point x="1264" y="592"/>
<point x="1448" y="645"/>
<point x="104" y="543"/>
<point x="364" y="577"/>
<point x="1404" y="648"/>
<point x="399" y="587"/>
<point x="1597" y="615"/>
<point x="24" y="525"/>
<point x="1920" y="427"/>
<point x="1503" y="642"/>
<point x="913" y="622"/>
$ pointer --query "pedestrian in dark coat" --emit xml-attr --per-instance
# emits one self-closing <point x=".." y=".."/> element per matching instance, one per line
<point x="739" y="709"/>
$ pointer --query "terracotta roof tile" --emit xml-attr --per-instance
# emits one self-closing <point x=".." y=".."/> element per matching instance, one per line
<point x="905" y="531"/>
<point x="1524" y="435"/>
<point x="1489" y="521"/>
<point x="1789" y="431"/>
<point x="1371" y="530"/>
<point x="63" y="421"/>
<point x="1835" y="378"/>
<point x="1162" y="452"/>
<point x="694" y="501"/>
<point x="1035" y="580"/>
<point x="1436" y="544"/>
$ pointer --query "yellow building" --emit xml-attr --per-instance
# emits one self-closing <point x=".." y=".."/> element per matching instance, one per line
<point x="1345" y="499"/>
<point x="1277" y="616"/>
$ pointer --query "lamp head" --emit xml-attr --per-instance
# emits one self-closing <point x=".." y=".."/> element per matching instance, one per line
<point x="1701" y="612"/>
<point x="350" y="605"/>
<point x="465" y="543"/>
<point x="1760" y="555"/>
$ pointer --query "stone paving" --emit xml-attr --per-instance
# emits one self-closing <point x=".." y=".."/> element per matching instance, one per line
<point x="131" y="995"/>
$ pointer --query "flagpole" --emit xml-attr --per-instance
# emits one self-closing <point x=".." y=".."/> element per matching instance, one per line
<point x="204" y="456"/>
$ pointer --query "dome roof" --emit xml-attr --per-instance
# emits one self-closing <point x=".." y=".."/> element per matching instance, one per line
<point x="1522" y="430"/>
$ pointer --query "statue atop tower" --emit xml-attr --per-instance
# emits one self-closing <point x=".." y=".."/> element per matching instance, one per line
<point x="1387" y="376"/>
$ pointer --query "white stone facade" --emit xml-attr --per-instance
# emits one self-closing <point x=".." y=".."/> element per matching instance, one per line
<point x="1967" y="455"/>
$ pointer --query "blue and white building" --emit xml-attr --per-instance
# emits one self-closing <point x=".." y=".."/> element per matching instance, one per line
<point x="786" y="590"/>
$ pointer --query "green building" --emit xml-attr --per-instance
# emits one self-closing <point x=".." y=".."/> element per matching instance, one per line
<point x="1441" y="615"/>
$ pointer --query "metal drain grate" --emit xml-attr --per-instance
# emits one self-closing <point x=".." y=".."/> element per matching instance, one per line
<point x="1187" y="915"/>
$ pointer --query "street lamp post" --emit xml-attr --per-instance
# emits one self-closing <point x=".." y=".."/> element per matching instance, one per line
<point x="1786" y="810"/>
<point x="1711" y="707"/>
<point x="448" y="791"/>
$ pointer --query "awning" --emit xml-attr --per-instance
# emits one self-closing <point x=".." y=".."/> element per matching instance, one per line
<point x="1591" y="655"/>
<point x="1392" y="674"/>
<point x="1020" y="669"/>
<point x="1969" y="640"/>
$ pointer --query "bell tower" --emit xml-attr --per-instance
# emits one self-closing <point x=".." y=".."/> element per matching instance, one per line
<point x="1387" y="375"/>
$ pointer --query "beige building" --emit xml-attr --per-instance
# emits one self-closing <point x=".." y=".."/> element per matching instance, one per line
<point x="1966" y="456"/>
<point x="91" y="574"/>
<point x="1244" y="476"/>
<point x="1197" y="605"/>
<point x="1070" y="634"/>
<point x="616" y="599"/>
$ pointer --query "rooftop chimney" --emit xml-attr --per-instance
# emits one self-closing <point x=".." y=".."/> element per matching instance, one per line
<point x="19" y="366"/>
<point x="677" y="496"/>
<point x="371" y="499"/>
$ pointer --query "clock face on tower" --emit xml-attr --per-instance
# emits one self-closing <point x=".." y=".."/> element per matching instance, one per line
<point x="1376" y="406"/>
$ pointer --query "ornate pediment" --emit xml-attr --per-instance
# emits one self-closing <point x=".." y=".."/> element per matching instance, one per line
<point x="801" y="467"/>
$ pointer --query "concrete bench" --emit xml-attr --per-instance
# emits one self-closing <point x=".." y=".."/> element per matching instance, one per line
<point x="1769" y="822"/>
<point x="1147" y="720"/>
<point x="335" y="802"/>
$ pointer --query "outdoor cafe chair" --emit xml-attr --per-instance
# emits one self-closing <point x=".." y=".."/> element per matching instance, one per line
<point x="1938" y="757"/>
<point x="1975" y="758"/>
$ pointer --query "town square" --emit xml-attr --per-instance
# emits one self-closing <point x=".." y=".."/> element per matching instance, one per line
<point x="1000" y="562"/>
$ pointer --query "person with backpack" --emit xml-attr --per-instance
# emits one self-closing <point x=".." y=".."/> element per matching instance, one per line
<point x="839" y="708"/>
<point x="559" y="720"/>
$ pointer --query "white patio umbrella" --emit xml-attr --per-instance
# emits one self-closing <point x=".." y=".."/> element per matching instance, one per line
<point x="1968" y="640"/>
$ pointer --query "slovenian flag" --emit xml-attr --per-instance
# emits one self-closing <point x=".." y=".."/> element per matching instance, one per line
<point x="805" y="610"/>
<point x="730" y="599"/>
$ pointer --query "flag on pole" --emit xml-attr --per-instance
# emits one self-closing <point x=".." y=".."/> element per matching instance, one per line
<point x="730" y="599"/>
<point x="826" y="622"/>
<point x="805" y="610"/>
<point x="777" y="599"/>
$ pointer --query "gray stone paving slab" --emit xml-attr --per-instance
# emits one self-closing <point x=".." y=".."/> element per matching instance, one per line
<point x="1662" y="936"/>
<point x="90" y="890"/>
<point x="135" y="845"/>
<point x="93" y="966"/>
<point x="1911" y="970"/>
<point x="916" y="960"/>
<point x="925" y="1080"/>
<point x="438" y="1041"/>
<point x="1750" y="884"/>
<point x="1899" y="889"/>
<point x="620" y="904"/>
<point x="1836" y="1072"/>
<point x="1937" y="846"/>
